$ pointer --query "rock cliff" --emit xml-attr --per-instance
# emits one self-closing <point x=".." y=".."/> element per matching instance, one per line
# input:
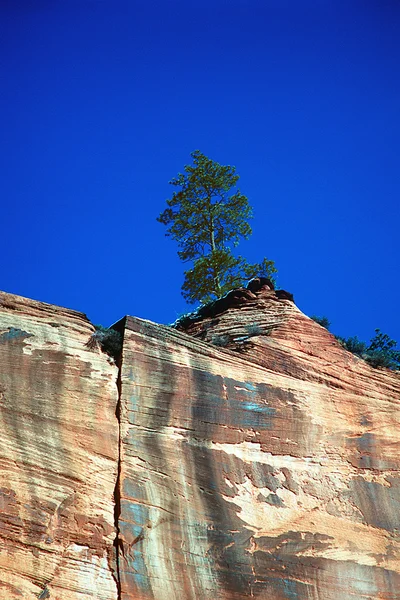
<point x="58" y="456"/>
<point x="242" y="454"/>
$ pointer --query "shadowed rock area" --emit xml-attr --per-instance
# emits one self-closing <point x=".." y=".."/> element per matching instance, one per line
<point x="252" y="456"/>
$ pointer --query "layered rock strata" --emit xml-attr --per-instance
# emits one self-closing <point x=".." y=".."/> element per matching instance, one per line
<point x="58" y="456"/>
<point x="259" y="459"/>
<point x="251" y="456"/>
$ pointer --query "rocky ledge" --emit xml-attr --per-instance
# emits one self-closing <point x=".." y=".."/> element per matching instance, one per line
<point x="242" y="454"/>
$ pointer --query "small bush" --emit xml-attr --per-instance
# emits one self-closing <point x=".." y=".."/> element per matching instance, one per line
<point x="108" y="340"/>
<point x="253" y="330"/>
<point x="382" y="352"/>
<point x="354" y="345"/>
<point x="377" y="358"/>
<point x="220" y="340"/>
<point x="323" y="321"/>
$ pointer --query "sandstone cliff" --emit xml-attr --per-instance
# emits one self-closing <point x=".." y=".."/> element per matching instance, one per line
<point x="58" y="456"/>
<point x="247" y="455"/>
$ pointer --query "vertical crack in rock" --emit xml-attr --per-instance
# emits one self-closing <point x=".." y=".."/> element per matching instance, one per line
<point x="117" y="494"/>
<point x="119" y="326"/>
<point x="268" y="475"/>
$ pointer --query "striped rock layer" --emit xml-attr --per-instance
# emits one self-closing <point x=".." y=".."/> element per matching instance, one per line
<point x="247" y="455"/>
<point x="58" y="456"/>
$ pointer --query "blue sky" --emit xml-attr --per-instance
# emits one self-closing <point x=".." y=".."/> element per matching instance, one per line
<point x="103" y="102"/>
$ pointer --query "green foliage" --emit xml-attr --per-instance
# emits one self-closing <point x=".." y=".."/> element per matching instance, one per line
<point x="354" y="345"/>
<point x="254" y="330"/>
<point x="382" y="352"/>
<point x="220" y="340"/>
<point x="109" y="340"/>
<point x="323" y="321"/>
<point x="214" y="275"/>
<point x="379" y="359"/>
<point x="207" y="222"/>
<point x="381" y="342"/>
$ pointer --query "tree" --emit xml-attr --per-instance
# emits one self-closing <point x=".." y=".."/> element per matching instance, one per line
<point x="354" y="344"/>
<point x="323" y="321"/>
<point x="207" y="222"/>
<point x="382" y="352"/>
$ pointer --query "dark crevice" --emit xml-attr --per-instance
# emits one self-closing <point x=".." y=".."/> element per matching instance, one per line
<point x="118" y="547"/>
<point x="117" y="495"/>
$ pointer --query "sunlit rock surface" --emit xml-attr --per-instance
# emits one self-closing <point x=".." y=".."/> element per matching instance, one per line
<point x="265" y="466"/>
<point x="243" y="455"/>
<point x="58" y="456"/>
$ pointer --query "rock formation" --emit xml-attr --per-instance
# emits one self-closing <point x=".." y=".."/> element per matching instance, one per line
<point x="251" y="456"/>
<point x="58" y="456"/>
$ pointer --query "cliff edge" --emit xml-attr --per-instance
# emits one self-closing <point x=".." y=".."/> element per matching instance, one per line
<point x="242" y="454"/>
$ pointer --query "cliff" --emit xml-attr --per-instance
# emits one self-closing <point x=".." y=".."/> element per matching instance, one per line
<point x="243" y="454"/>
<point x="58" y="455"/>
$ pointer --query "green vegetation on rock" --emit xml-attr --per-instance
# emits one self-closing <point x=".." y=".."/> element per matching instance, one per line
<point x="323" y="321"/>
<point x="108" y="340"/>
<point x="207" y="220"/>
<point x="380" y="352"/>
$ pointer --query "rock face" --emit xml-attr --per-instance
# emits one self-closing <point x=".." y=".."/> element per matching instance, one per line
<point x="58" y="456"/>
<point x="265" y="466"/>
<point x="252" y="456"/>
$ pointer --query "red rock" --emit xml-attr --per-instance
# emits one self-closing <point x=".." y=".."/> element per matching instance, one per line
<point x="58" y="455"/>
<point x="267" y="467"/>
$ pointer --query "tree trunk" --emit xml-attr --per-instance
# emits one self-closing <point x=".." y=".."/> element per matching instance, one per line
<point x="217" y="282"/>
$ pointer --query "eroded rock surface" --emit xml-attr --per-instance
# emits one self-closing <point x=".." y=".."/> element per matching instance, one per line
<point x="247" y="455"/>
<point x="58" y="456"/>
<point x="263" y="464"/>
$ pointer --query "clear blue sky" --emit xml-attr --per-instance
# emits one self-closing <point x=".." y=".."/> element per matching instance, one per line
<point x="102" y="103"/>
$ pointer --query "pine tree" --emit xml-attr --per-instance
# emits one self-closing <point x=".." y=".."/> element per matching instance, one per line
<point x="382" y="352"/>
<point x="207" y="222"/>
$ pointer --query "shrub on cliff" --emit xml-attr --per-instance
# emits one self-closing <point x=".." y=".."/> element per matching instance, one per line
<point x="382" y="352"/>
<point x="108" y="340"/>
<point x="323" y="321"/>
<point x="207" y="222"/>
<point x="354" y="345"/>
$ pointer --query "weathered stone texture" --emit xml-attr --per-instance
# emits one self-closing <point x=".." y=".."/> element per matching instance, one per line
<point x="267" y="468"/>
<point x="58" y="456"/>
<point x="251" y="456"/>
